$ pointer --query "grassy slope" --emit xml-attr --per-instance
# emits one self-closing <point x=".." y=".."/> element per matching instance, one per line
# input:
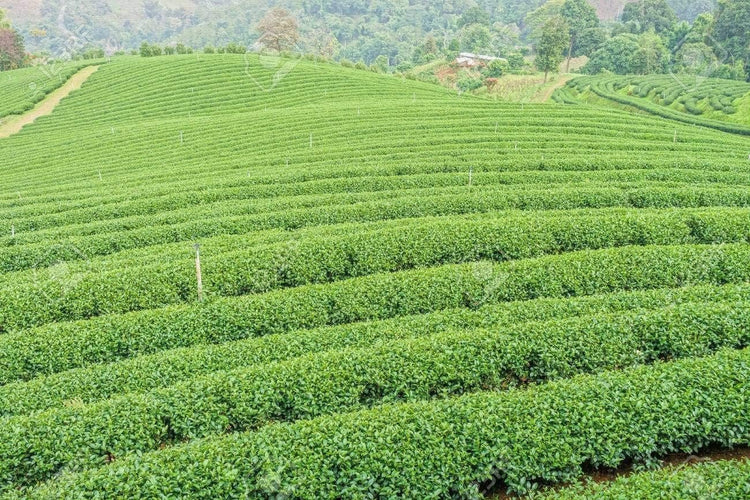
<point x="325" y="174"/>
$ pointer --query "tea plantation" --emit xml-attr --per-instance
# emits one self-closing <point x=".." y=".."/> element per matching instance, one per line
<point x="709" y="102"/>
<point x="405" y="293"/>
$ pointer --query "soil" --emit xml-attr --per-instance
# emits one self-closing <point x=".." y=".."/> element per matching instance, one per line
<point x="13" y="124"/>
<point x="711" y="454"/>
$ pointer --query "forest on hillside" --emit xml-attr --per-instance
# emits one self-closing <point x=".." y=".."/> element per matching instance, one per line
<point x="646" y="36"/>
<point x="362" y="29"/>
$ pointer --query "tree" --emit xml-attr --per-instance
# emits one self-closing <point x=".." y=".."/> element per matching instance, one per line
<point x="690" y="9"/>
<point x="278" y="30"/>
<point x="732" y="31"/>
<point x="652" y="57"/>
<point x="12" y="50"/>
<point x="536" y="19"/>
<point x="555" y="38"/>
<point x="4" y="21"/>
<point x="380" y="64"/>
<point x="145" y="50"/>
<point x="475" y="15"/>
<point x="628" y="53"/>
<point x="580" y="16"/>
<point x="454" y="47"/>
<point x="516" y="61"/>
<point x="589" y="41"/>
<point x="476" y="38"/>
<point x="649" y="15"/>
<point x="496" y="68"/>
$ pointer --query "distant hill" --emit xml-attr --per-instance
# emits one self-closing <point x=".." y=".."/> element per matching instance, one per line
<point x="364" y="29"/>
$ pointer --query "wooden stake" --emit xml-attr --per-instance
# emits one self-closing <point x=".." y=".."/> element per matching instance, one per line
<point x="471" y="171"/>
<point x="675" y="136"/>
<point x="13" y="231"/>
<point x="198" y="273"/>
<point x="100" y="176"/>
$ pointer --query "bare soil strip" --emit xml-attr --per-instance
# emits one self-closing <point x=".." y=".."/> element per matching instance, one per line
<point x="11" y="125"/>
<point x="673" y="460"/>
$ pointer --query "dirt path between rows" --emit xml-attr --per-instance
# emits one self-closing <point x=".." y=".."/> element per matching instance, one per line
<point x="13" y="124"/>
<point x="557" y="85"/>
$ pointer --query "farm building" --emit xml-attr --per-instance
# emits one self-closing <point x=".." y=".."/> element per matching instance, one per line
<point x="469" y="60"/>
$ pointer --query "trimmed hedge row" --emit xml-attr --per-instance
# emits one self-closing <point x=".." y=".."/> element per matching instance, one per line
<point x="37" y="447"/>
<point x="62" y="346"/>
<point x="80" y="294"/>
<point x="165" y="239"/>
<point x="87" y="242"/>
<point x="599" y="89"/>
<point x="159" y="204"/>
<point x="723" y="480"/>
<point x="24" y="88"/>
<point x="97" y="382"/>
<point x="444" y="449"/>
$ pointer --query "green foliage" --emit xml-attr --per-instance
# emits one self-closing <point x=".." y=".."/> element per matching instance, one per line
<point x="545" y="433"/>
<point x="100" y="381"/>
<point x="63" y="346"/>
<point x="411" y="370"/>
<point x="580" y="16"/>
<point x="555" y="38"/>
<point x="467" y="82"/>
<point x="496" y="68"/>
<point x="589" y="41"/>
<point x="649" y="15"/>
<point x="630" y="54"/>
<point x="429" y="291"/>
<point x="673" y="97"/>
<point x="235" y="48"/>
<point x="723" y="479"/>
<point x="381" y="64"/>
<point x="476" y="38"/>
<point x="12" y="49"/>
<point x="474" y="15"/>
<point x="516" y="61"/>
<point x="731" y="29"/>
<point x="23" y="88"/>
<point x="149" y="50"/>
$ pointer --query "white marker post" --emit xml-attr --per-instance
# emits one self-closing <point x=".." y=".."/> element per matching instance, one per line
<point x="198" y="273"/>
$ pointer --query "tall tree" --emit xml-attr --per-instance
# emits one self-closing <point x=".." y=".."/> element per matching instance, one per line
<point x="732" y="30"/>
<point x="475" y="15"/>
<point x="647" y="15"/>
<point x="278" y="30"/>
<point x="580" y="16"/>
<point x="536" y="19"/>
<point x="555" y="38"/>
<point x="4" y="21"/>
<point x="12" y="51"/>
